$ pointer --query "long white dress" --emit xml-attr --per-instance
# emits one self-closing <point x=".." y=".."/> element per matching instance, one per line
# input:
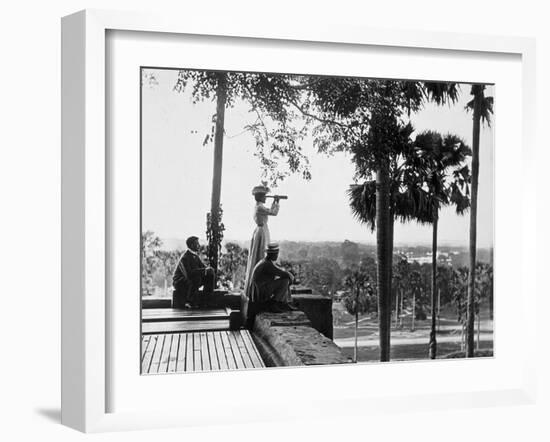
<point x="260" y="240"/>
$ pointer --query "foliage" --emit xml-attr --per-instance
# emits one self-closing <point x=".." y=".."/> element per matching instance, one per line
<point x="166" y="262"/>
<point x="478" y="92"/>
<point x="360" y="297"/>
<point x="232" y="266"/>
<point x="323" y="275"/>
<point x="150" y="246"/>
<point x="441" y="160"/>
<point x="278" y="127"/>
<point x="483" y="289"/>
<point x="413" y="281"/>
<point x="350" y="253"/>
<point x="419" y="292"/>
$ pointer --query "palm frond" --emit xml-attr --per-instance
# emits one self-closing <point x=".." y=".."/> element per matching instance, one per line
<point x="478" y="92"/>
<point x="362" y="199"/>
<point x="441" y="93"/>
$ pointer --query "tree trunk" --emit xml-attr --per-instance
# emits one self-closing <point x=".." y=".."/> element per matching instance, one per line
<point x="478" y="330"/>
<point x="396" y="306"/>
<point x="221" y="93"/>
<point x="432" y="347"/>
<point x="478" y="97"/>
<point x="382" y="251"/>
<point x="414" y="310"/>
<point x="401" y="310"/>
<point x="438" y="309"/>
<point x="390" y="264"/>
<point x="356" y="325"/>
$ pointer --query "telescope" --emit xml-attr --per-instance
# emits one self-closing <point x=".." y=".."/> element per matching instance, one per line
<point x="278" y="197"/>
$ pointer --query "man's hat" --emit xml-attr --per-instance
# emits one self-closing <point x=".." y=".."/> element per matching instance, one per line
<point x="272" y="248"/>
<point x="260" y="189"/>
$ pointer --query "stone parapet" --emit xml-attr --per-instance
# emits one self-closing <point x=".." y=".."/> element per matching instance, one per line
<point x="288" y="339"/>
<point x="318" y="309"/>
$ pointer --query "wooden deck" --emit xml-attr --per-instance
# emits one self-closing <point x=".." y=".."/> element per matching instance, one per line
<point x="198" y="351"/>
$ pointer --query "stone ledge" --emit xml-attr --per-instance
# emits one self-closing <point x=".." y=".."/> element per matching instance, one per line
<point x="283" y="341"/>
<point x="292" y="318"/>
<point x="318" y="309"/>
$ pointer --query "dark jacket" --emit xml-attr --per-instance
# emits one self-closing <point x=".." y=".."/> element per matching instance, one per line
<point x="266" y="271"/>
<point x="190" y="268"/>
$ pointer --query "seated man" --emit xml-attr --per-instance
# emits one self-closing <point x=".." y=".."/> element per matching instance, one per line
<point x="271" y="284"/>
<point x="190" y="275"/>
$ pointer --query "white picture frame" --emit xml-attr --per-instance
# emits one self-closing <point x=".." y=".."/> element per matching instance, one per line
<point x="85" y="202"/>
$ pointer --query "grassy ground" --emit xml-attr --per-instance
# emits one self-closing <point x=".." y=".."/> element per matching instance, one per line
<point x="408" y="343"/>
<point x="408" y="351"/>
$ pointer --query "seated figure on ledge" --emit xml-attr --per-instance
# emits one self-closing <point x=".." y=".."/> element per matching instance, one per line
<point x="270" y="289"/>
<point x="190" y="274"/>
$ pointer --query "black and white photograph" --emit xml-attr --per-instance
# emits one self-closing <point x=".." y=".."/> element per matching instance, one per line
<point x="295" y="220"/>
<point x="243" y="221"/>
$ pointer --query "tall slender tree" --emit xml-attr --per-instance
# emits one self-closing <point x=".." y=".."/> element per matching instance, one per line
<point x="358" y="283"/>
<point x="482" y="109"/>
<point x="448" y="180"/>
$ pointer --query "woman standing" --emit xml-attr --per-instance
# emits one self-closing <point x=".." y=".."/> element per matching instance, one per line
<point x="260" y="237"/>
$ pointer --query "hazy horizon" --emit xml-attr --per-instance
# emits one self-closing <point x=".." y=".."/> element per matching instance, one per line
<point x="202" y="240"/>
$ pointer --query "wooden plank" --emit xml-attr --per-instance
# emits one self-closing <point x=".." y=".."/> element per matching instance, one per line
<point x="236" y="351"/>
<point x="214" y="363"/>
<point x="144" y="344"/>
<point x="189" y="361"/>
<point x="182" y="349"/>
<point x="231" y="364"/>
<point x="205" y="357"/>
<point x="155" y="362"/>
<point x="165" y="315"/>
<point x="164" y="358"/>
<point x="185" y="312"/>
<point x="148" y="354"/>
<point x="222" y="359"/>
<point x="252" y="349"/>
<point x="173" y="357"/>
<point x="242" y="348"/>
<point x="197" y="361"/>
<point x="183" y="327"/>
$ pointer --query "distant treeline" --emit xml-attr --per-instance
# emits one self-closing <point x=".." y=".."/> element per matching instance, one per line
<point x="349" y="251"/>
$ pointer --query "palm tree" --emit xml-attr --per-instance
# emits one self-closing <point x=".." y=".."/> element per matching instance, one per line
<point x="447" y="179"/>
<point x="415" y="283"/>
<point x="358" y="301"/>
<point x="482" y="108"/>
<point x="401" y="275"/>
<point x="364" y="117"/>
<point x="406" y="200"/>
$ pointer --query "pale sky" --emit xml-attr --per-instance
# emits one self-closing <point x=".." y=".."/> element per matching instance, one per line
<point x="177" y="176"/>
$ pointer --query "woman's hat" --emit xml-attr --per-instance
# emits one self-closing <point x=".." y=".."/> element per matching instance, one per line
<point x="272" y="248"/>
<point x="260" y="189"/>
